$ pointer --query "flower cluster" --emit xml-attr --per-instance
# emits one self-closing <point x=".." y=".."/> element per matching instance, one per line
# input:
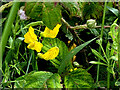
<point x="31" y="39"/>
<point x="22" y="15"/>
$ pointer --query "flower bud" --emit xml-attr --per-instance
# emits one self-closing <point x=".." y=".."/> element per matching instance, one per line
<point x="91" y="23"/>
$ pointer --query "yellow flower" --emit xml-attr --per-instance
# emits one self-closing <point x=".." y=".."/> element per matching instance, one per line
<point x="30" y="36"/>
<point x="31" y="39"/>
<point x="73" y="69"/>
<point x="35" y="46"/>
<point x="50" y="54"/>
<point x="51" y="33"/>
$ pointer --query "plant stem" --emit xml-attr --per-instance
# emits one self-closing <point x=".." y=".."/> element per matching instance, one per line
<point x="8" y="25"/>
<point x="101" y="36"/>
<point x="119" y="47"/>
<point x="108" y="79"/>
<point x="79" y="26"/>
<point x="29" y="63"/>
<point x="7" y="5"/>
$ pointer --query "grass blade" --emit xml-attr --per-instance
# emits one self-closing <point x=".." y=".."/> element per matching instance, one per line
<point x="67" y="59"/>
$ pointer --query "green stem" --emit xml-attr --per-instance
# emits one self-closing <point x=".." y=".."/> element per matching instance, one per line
<point x="29" y="63"/>
<point x="119" y="47"/>
<point x="108" y="77"/>
<point x="98" y="67"/>
<point x="8" y="25"/>
<point x="34" y="62"/>
<point x="103" y="20"/>
<point x="102" y="27"/>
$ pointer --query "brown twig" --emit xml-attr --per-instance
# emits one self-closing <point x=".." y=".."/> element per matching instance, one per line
<point x="79" y="26"/>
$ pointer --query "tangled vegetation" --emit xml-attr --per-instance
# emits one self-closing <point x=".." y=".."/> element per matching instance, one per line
<point x="60" y="45"/>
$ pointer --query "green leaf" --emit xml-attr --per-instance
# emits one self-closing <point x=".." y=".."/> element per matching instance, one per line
<point x="10" y="42"/>
<point x="63" y="49"/>
<point x="79" y="78"/>
<point x="94" y="32"/>
<point x="51" y="15"/>
<point x="8" y="25"/>
<point x="45" y="11"/>
<point x="33" y="80"/>
<point x="54" y="81"/>
<point x="67" y="59"/>
<point x="98" y="55"/>
<point x="6" y="74"/>
<point x="72" y="8"/>
<point x="8" y="59"/>
<point x="113" y="10"/>
<point x="40" y="79"/>
<point x="94" y="62"/>
<point x="92" y="9"/>
<point x="34" y="10"/>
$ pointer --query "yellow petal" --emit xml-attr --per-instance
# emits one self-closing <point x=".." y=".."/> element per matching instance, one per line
<point x="33" y="35"/>
<point x="38" y="46"/>
<point x="56" y="29"/>
<point x="50" y="54"/>
<point x="30" y="36"/>
<point x="51" y="33"/>
<point x="35" y="46"/>
<point x="47" y="32"/>
<point x="27" y="37"/>
<point x="31" y="46"/>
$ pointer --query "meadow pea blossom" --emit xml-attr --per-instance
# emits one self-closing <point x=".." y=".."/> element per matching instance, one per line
<point x="50" y="54"/>
<point x="35" y="46"/>
<point x="51" y="33"/>
<point x="30" y="36"/>
<point x="31" y="39"/>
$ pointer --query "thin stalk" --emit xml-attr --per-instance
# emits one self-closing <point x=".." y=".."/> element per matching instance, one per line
<point x="102" y="27"/>
<point x="29" y="63"/>
<point x="34" y="62"/>
<point x="8" y="25"/>
<point x="103" y="20"/>
<point x="98" y="66"/>
<point x="119" y="47"/>
<point x="108" y="77"/>
<point x="0" y="49"/>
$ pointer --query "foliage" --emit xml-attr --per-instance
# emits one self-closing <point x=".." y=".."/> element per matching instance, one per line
<point x="111" y="54"/>
<point x="67" y="60"/>
<point x="47" y="11"/>
<point x="92" y="10"/>
<point x="79" y="78"/>
<point x="39" y="79"/>
<point x="60" y="44"/>
<point x="63" y="50"/>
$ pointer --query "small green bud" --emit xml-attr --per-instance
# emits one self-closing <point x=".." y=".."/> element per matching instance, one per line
<point x="91" y="23"/>
<point x="76" y="64"/>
